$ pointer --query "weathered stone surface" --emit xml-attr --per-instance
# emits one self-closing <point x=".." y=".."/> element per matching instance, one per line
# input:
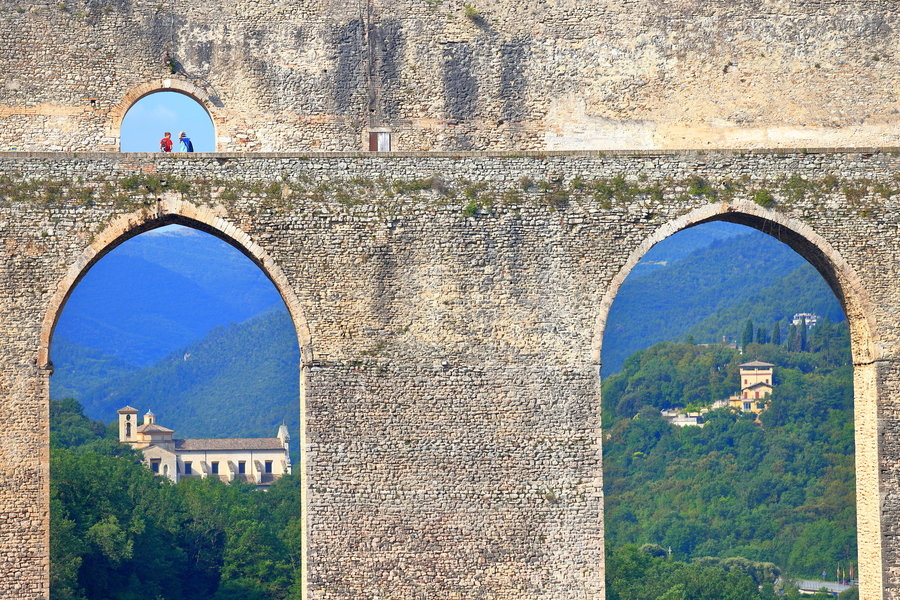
<point x="450" y="311"/>
<point x="286" y="75"/>
<point x="450" y="308"/>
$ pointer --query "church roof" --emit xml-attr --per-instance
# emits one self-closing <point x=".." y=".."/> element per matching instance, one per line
<point x="230" y="444"/>
<point x="756" y="363"/>
<point x="127" y="410"/>
<point x="154" y="428"/>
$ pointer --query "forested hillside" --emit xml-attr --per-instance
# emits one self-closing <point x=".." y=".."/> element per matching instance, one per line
<point x="159" y="292"/>
<point x="804" y="287"/>
<point x="117" y="532"/>
<point x="120" y="533"/>
<point x="155" y="323"/>
<point x="687" y="241"/>
<point x="238" y="381"/>
<point x="709" y="292"/>
<point x="79" y="369"/>
<point x="779" y="491"/>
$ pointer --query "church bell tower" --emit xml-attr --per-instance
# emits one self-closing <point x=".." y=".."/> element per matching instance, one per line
<point x="128" y="424"/>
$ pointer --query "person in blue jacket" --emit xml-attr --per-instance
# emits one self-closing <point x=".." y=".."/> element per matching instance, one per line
<point x="185" y="144"/>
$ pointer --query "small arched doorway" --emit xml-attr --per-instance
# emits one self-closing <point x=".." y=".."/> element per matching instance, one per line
<point x="154" y="114"/>
<point x="171" y="97"/>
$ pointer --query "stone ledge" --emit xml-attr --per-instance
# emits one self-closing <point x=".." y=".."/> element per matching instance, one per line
<point x="478" y="154"/>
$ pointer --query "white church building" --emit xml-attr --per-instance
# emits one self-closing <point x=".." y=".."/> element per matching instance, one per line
<point x="259" y="461"/>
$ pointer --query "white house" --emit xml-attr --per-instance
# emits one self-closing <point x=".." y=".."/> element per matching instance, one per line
<point x="255" y="460"/>
<point x="810" y="319"/>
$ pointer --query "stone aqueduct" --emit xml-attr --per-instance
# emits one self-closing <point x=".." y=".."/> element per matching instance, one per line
<point x="450" y="356"/>
<point x="450" y="298"/>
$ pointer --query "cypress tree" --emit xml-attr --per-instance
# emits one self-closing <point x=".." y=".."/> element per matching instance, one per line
<point x="776" y="333"/>
<point x="820" y="336"/>
<point x="761" y="336"/>
<point x="802" y="334"/>
<point x="792" y="338"/>
<point x="747" y="338"/>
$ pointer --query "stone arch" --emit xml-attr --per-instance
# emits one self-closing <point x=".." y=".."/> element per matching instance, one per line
<point x="171" y="211"/>
<point x="172" y="84"/>
<point x="865" y="349"/>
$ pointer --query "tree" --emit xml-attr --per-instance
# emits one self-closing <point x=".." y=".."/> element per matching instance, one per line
<point x="801" y="330"/>
<point x="851" y="594"/>
<point x="820" y="336"/>
<point x="633" y="574"/>
<point x="69" y="427"/>
<point x="747" y="338"/>
<point x="66" y="549"/>
<point x="776" y="333"/>
<point x="761" y="337"/>
<point x="757" y="492"/>
<point x="793" y="342"/>
<point x="118" y="532"/>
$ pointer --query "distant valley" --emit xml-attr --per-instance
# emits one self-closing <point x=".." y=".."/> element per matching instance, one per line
<point x="707" y="292"/>
<point x="172" y="322"/>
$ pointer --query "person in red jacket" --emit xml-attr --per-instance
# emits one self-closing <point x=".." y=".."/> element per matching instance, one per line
<point x="165" y="144"/>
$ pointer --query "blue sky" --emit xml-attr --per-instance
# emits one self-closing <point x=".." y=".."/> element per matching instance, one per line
<point x="151" y="116"/>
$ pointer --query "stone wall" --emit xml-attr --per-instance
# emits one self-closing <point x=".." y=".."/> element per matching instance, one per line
<point x="450" y="311"/>
<point x="279" y="75"/>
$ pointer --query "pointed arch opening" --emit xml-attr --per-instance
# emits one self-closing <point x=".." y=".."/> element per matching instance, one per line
<point x="261" y="467"/>
<point x="171" y="212"/>
<point x="864" y="349"/>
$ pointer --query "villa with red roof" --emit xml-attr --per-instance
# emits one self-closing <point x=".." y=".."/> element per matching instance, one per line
<point x="756" y="385"/>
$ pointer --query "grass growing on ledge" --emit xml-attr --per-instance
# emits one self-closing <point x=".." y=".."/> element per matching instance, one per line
<point x="697" y="186"/>
<point x="391" y="198"/>
<point x="763" y="198"/>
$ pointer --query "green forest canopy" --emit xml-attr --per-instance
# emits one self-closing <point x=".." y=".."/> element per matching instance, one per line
<point x="780" y="491"/>
<point x="117" y="532"/>
<point x="764" y="499"/>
